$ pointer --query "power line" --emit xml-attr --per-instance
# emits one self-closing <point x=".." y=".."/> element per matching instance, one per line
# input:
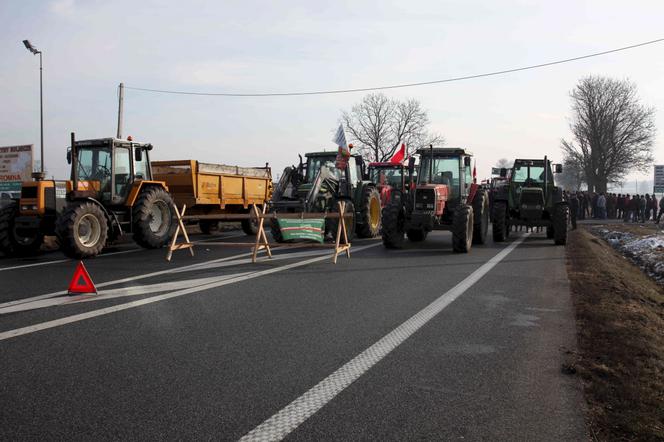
<point x="399" y="86"/>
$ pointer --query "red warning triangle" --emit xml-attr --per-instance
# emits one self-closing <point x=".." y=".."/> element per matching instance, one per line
<point x="81" y="282"/>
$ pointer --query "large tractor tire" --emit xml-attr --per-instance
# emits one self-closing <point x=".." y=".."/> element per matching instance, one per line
<point x="500" y="227"/>
<point x="416" y="235"/>
<point x="369" y="220"/>
<point x="153" y="218"/>
<point x="462" y="229"/>
<point x="332" y="224"/>
<point x="481" y="214"/>
<point x="560" y="220"/>
<point x="394" y="226"/>
<point x="250" y="226"/>
<point x="82" y="230"/>
<point x="208" y="226"/>
<point x="11" y="242"/>
<point x="275" y="231"/>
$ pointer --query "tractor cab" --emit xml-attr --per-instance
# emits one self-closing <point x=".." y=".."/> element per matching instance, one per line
<point x="388" y="177"/>
<point x="444" y="178"/>
<point x="532" y="186"/>
<point x="107" y="168"/>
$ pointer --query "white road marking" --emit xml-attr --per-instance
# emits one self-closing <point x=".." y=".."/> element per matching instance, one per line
<point x="294" y="414"/>
<point x="37" y="264"/>
<point x="53" y="301"/>
<point x="116" y="308"/>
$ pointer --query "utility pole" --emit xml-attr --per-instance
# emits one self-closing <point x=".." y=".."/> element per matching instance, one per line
<point x="120" y="109"/>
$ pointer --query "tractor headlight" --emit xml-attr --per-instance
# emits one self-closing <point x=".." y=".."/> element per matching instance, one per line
<point x="27" y="207"/>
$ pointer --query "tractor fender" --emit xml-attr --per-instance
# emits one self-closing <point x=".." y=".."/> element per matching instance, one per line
<point x="136" y="188"/>
<point x="114" y="223"/>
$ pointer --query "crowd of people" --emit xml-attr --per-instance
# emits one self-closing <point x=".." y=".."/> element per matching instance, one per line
<point x="629" y="208"/>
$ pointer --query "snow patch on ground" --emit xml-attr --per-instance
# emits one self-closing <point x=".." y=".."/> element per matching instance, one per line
<point x="647" y="252"/>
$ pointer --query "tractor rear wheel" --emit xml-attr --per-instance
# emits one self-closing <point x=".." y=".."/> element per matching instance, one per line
<point x="481" y="213"/>
<point x="12" y="242"/>
<point x="250" y="226"/>
<point x="416" y="235"/>
<point x="332" y="224"/>
<point x="560" y="220"/>
<point x="462" y="229"/>
<point x="369" y="222"/>
<point x="82" y="230"/>
<point x="275" y="230"/>
<point x="208" y="227"/>
<point x="394" y="225"/>
<point x="153" y="218"/>
<point x="500" y="229"/>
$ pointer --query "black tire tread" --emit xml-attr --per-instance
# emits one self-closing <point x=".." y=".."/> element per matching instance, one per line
<point x="363" y="224"/>
<point x="393" y="232"/>
<point x="143" y="236"/>
<point x="67" y="237"/>
<point x="481" y="217"/>
<point x="8" y="245"/>
<point x="560" y="220"/>
<point x="499" y="225"/>
<point x="463" y="215"/>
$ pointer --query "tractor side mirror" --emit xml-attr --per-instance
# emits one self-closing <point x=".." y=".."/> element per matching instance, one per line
<point x="503" y="172"/>
<point x="466" y="161"/>
<point x="559" y="168"/>
<point x="138" y="154"/>
<point x="411" y="165"/>
<point x="69" y="155"/>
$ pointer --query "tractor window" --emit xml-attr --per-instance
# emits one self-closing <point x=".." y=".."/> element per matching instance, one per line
<point x="522" y="172"/>
<point x="122" y="161"/>
<point x="445" y="171"/>
<point x="392" y="176"/>
<point x="141" y="167"/>
<point x="94" y="164"/>
<point x="468" y="180"/>
<point x="314" y="164"/>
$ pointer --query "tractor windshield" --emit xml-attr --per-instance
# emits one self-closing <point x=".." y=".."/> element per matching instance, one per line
<point x="385" y="175"/>
<point x="94" y="164"/>
<point x="525" y="172"/>
<point x="314" y="163"/>
<point x="445" y="171"/>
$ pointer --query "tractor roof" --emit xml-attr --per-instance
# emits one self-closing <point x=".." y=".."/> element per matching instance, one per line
<point x="327" y="154"/>
<point x="386" y="164"/>
<point x="444" y="151"/>
<point x="530" y="162"/>
<point x="109" y="141"/>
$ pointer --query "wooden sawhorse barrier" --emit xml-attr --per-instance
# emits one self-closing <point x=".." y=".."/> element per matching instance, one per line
<point x="340" y="245"/>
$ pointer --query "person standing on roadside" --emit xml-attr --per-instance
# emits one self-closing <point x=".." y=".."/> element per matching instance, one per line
<point x="601" y="206"/>
<point x="661" y="209"/>
<point x="584" y="205"/>
<point x="629" y="208"/>
<point x="642" y="209"/>
<point x="573" y="209"/>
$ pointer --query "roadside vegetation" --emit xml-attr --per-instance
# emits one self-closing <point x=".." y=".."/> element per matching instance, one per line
<point x="620" y="332"/>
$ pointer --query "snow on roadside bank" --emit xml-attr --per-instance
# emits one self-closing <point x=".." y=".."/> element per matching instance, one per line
<point x="647" y="251"/>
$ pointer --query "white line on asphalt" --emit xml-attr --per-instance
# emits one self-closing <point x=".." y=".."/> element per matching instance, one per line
<point x="116" y="308"/>
<point x="37" y="264"/>
<point x="290" y="417"/>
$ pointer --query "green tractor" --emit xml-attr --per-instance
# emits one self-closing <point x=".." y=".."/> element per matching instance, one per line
<point x="530" y="198"/>
<point x="316" y="185"/>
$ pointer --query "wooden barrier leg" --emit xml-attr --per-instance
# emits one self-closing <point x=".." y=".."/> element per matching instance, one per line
<point x="180" y="226"/>
<point x="261" y="238"/>
<point x="341" y="230"/>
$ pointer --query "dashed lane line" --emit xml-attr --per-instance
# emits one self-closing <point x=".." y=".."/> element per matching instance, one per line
<point x="294" y="414"/>
<point x="145" y="301"/>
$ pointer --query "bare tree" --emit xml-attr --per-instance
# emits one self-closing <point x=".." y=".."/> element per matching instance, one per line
<point x="379" y="125"/>
<point x="503" y="163"/>
<point x="614" y="133"/>
<point x="572" y="177"/>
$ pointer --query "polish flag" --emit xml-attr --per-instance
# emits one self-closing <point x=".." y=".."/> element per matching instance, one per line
<point x="475" y="173"/>
<point x="399" y="156"/>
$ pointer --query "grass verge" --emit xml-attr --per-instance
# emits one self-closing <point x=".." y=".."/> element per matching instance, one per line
<point x="620" y="332"/>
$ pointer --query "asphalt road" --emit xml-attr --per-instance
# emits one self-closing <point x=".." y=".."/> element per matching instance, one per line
<point x="418" y="343"/>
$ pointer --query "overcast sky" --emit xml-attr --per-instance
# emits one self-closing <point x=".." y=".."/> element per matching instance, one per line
<point x="253" y="46"/>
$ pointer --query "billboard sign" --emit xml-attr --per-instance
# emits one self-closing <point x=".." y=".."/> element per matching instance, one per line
<point x="15" y="166"/>
<point x="659" y="179"/>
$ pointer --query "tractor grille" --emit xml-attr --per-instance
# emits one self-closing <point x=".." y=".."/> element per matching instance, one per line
<point x="29" y="192"/>
<point x="425" y="199"/>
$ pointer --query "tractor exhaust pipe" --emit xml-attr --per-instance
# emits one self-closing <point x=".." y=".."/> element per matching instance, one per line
<point x="431" y="164"/>
<point x="74" y="163"/>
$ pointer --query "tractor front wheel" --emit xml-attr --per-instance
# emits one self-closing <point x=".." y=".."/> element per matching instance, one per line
<point x="369" y="222"/>
<point x="560" y="220"/>
<point x="153" y="218"/>
<point x="500" y="230"/>
<point x="82" y="230"/>
<point x="462" y="229"/>
<point x="394" y="226"/>
<point x="481" y="212"/>
<point x="13" y="242"/>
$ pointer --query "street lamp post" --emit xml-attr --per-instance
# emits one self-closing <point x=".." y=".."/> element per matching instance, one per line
<point x="39" y="175"/>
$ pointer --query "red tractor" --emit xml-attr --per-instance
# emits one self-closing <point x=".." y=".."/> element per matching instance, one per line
<point x="388" y="177"/>
<point x="444" y="198"/>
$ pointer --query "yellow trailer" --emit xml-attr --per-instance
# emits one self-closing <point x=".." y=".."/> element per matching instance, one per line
<point x="215" y="189"/>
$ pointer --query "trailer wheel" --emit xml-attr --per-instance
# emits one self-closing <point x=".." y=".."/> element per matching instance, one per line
<point x="13" y="242"/>
<point x="153" y="218"/>
<point x="462" y="229"/>
<point x="82" y="230"/>
<point x="250" y="226"/>
<point x="208" y="227"/>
